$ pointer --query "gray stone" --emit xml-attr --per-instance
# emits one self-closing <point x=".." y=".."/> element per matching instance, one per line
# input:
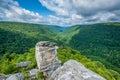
<point x="17" y="76"/>
<point x="33" y="74"/>
<point x="46" y="57"/>
<point x="73" y="70"/>
<point x="23" y="64"/>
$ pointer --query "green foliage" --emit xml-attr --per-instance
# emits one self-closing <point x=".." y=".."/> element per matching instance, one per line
<point x="8" y="62"/>
<point x="40" y="76"/>
<point x="67" y="34"/>
<point x="19" y="37"/>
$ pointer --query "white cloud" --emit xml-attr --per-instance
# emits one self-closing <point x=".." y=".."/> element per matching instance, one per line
<point x="81" y="7"/>
<point x="11" y="11"/>
<point x="68" y="12"/>
<point x="84" y="11"/>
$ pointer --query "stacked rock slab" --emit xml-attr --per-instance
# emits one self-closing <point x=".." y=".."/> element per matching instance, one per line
<point x="46" y="57"/>
<point x="73" y="70"/>
<point x="17" y="76"/>
<point x="23" y="64"/>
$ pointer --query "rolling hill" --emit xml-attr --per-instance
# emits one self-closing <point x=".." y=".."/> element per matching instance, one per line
<point x="98" y="42"/>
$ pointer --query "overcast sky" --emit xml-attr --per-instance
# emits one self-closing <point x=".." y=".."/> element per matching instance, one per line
<point x="60" y="12"/>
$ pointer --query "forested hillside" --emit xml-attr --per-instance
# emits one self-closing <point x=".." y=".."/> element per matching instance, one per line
<point x="98" y="42"/>
<point x="19" y="37"/>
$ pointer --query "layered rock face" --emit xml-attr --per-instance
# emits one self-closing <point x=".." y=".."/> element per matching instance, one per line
<point x="46" y="56"/>
<point x="73" y="70"/>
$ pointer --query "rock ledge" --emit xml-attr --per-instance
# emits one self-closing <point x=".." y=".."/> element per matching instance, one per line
<point x="73" y="70"/>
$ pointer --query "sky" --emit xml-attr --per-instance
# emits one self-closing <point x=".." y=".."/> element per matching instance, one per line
<point x="60" y="12"/>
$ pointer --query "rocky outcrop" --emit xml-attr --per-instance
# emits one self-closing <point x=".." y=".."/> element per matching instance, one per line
<point x="49" y="65"/>
<point x="73" y="70"/>
<point x="46" y="56"/>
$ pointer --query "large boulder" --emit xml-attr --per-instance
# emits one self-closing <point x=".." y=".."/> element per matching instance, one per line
<point x="73" y="70"/>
